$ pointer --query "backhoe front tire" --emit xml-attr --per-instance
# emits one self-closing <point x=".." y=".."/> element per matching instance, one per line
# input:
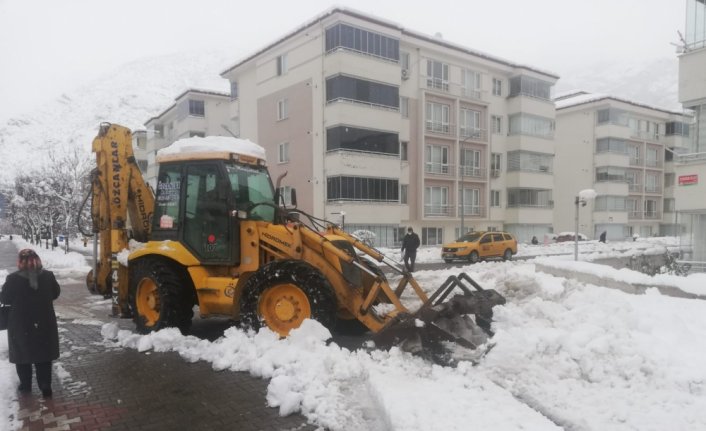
<point x="283" y="293"/>
<point x="160" y="296"/>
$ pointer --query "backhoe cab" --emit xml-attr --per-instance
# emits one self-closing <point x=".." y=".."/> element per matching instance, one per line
<point x="219" y="239"/>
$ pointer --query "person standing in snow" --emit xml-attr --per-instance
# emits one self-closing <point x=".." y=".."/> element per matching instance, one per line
<point x="32" y="332"/>
<point x="410" y="244"/>
<point x="602" y="237"/>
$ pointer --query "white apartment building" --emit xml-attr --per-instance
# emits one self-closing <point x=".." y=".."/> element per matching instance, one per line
<point x="381" y="127"/>
<point x="624" y="151"/>
<point x="193" y="113"/>
<point x="690" y="192"/>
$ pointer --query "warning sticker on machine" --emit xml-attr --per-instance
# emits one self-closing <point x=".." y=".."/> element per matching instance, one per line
<point x="166" y="222"/>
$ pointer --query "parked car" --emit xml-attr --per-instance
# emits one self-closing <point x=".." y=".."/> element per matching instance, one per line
<point x="475" y="246"/>
<point x="569" y="236"/>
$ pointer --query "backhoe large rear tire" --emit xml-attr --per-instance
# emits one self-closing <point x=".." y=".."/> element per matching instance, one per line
<point x="160" y="296"/>
<point x="284" y="293"/>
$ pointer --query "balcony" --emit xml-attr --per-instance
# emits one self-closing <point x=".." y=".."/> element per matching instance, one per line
<point x="472" y="133"/>
<point x="643" y="134"/>
<point x="438" y="168"/>
<point x="635" y="188"/>
<point x="644" y="215"/>
<point x="439" y="128"/>
<point x="471" y="172"/>
<point x="451" y="88"/>
<point x="636" y="161"/>
<point x="470" y="211"/>
<point x="653" y="163"/>
<point x="437" y="210"/>
<point x="653" y="189"/>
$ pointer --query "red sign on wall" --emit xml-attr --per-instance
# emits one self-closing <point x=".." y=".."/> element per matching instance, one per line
<point x="685" y="180"/>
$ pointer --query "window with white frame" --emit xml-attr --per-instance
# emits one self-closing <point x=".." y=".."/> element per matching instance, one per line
<point x="283" y="152"/>
<point x="470" y="123"/>
<point x="432" y="236"/>
<point x="404" y="60"/>
<point x="282" y="109"/>
<point x="668" y="179"/>
<point x="495" y="164"/>
<point x="469" y="201"/>
<point x="652" y="183"/>
<point x="403" y="193"/>
<point x="470" y="163"/>
<point x="437" y="75"/>
<point x="436" y="201"/>
<point x="233" y="90"/>
<point x="404" y="150"/>
<point x="282" y="65"/>
<point x="531" y="125"/>
<point x="495" y="198"/>
<point x="285" y="193"/>
<point x="497" y="124"/>
<point x="404" y="106"/>
<point x="471" y="82"/>
<point x="437" y="117"/>
<point x="497" y="87"/>
<point x="437" y="159"/>
<point x="197" y="108"/>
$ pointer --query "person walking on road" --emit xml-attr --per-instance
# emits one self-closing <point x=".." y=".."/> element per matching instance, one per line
<point x="602" y="237"/>
<point x="410" y="244"/>
<point x="32" y="332"/>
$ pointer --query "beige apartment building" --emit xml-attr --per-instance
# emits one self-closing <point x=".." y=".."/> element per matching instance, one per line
<point x="624" y="151"/>
<point x="690" y="167"/>
<point x="380" y="127"/>
<point x="193" y="113"/>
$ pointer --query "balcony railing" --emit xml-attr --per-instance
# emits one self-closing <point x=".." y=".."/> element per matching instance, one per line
<point x="636" y="161"/>
<point x="438" y="168"/>
<point x="470" y="211"/>
<point x="653" y="189"/>
<point x="452" y="88"/>
<point x="437" y="83"/>
<point x="440" y="128"/>
<point x="437" y="210"/>
<point x="472" y="172"/>
<point x="653" y="163"/>
<point x="495" y="173"/>
<point x="644" y="215"/>
<point x="467" y="133"/>
<point x="643" y="134"/>
<point x="635" y="188"/>
<point x="690" y="158"/>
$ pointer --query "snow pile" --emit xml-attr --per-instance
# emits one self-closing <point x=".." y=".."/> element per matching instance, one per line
<point x="8" y="376"/>
<point x="226" y="144"/>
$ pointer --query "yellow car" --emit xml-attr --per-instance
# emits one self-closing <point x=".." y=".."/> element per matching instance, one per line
<point x="475" y="246"/>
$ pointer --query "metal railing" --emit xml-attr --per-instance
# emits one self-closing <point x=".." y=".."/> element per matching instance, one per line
<point x="690" y="158"/>
<point x="437" y="210"/>
<point x="653" y="163"/>
<point x="653" y="189"/>
<point x="470" y="210"/>
<point x="646" y="215"/>
<point x="637" y="188"/>
<point x="471" y="172"/>
<point x="440" y="128"/>
<point x="636" y="161"/>
<point x="473" y="133"/>
<point x="452" y="88"/>
<point x="643" y="134"/>
<point x="438" y="168"/>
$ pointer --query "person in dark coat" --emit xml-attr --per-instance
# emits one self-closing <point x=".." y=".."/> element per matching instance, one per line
<point x="602" y="237"/>
<point x="32" y="332"/>
<point x="410" y="244"/>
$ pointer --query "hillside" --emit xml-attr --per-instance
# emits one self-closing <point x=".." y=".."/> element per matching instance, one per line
<point x="133" y="93"/>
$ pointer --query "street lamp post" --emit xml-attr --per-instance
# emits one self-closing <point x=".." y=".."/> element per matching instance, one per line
<point x="463" y="204"/>
<point x="582" y="198"/>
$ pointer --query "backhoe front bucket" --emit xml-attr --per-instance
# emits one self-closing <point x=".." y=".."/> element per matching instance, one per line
<point x="439" y="324"/>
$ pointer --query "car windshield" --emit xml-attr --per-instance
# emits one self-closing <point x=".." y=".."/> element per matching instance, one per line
<point x="470" y="237"/>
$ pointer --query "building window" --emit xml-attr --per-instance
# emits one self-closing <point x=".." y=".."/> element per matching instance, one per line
<point x="342" y="188"/>
<point x="193" y="133"/>
<point x="669" y="205"/>
<point x="668" y="180"/>
<point x="437" y="159"/>
<point x="364" y="140"/>
<point x="403" y="193"/>
<point x="495" y="198"/>
<point x="196" y="108"/>
<point x="233" y="90"/>
<point x="469" y="202"/>
<point x="436" y="201"/>
<point x="497" y="87"/>
<point x="471" y="82"/>
<point x="437" y="117"/>
<point x="611" y="145"/>
<point x="495" y="164"/>
<point x="285" y="193"/>
<point x="404" y="155"/>
<point x="470" y="163"/>
<point x="404" y="106"/>
<point x="652" y="183"/>
<point x="470" y="124"/>
<point x="497" y="124"/>
<point x="610" y="203"/>
<point x="529" y="161"/>
<point x="347" y="88"/>
<point x="531" y="198"/>
<point x="531" y="125"/>
<point x="437" y="75"/>
<point x="612" y="116"/>
<point x="432" y="236"/>
<point x="283" y="152"/>
<point x="676" y="128"/>
<point x="282" y="109"/>
<point x="282" y="65"/>
<point x="611" y="174"/>
<point x="159" y="130"/>
<point x="404" y="60"/>
<point x="532" y="87"/>
<point x="363" y="41"/>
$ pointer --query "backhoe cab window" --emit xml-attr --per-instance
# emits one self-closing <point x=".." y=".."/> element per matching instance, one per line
<point x="252" y="186"/>
<point x="166" y="211"/>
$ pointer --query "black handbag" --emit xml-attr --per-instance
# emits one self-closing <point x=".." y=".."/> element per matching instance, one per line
<point x="4" y="316"/>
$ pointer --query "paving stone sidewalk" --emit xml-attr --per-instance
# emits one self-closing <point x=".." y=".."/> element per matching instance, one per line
<point x="102" y="388"/>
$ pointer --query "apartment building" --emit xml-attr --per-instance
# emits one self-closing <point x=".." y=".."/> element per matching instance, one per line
<point x="193" y="113"/>
<point x="624" y="151"/>
<point x="380" y="127"/>
<point x="690" y="192"/>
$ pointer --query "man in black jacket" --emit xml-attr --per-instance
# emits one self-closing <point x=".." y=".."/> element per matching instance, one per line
<point x="410" y="244"/>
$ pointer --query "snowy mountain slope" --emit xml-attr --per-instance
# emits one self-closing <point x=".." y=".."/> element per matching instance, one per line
<point x="130" y="95"/>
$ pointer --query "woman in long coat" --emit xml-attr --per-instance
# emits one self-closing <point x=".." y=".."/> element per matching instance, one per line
<point x="33" y="336"/>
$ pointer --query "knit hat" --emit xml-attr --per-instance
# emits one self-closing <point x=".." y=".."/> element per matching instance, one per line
<point x="28" y="260"/>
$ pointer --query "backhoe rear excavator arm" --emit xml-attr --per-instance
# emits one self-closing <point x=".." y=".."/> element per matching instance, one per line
<point x="122" y="202"/>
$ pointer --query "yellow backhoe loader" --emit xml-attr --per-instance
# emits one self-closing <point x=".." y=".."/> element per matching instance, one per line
<point x="216" y="236"/>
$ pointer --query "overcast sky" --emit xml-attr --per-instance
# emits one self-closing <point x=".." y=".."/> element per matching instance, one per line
<point x="51" y="46"/>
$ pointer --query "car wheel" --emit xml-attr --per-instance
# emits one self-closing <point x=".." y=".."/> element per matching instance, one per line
<point x="473" y="257"/>
<point x="507" y="255"/>
<point x="447" y="260"/>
